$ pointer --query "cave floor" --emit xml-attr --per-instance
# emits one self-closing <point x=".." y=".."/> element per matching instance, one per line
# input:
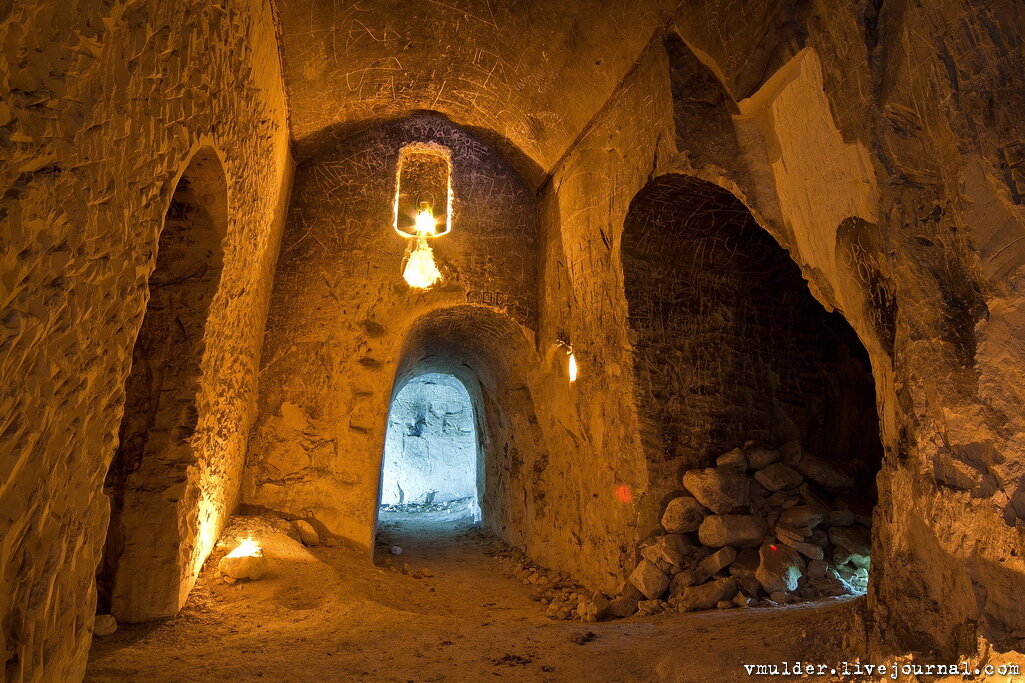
<point x="326" y="614"/>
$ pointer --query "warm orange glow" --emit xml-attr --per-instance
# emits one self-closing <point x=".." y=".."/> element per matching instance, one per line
<point x="420" y="270"/>
<point x="425" y="223"/>
<point x="423" y="179"/>
<point x="443" y="203"/>
<point x="572" y="367"/>
<point x="624" y="494"/>
<point x="248" y="547"/>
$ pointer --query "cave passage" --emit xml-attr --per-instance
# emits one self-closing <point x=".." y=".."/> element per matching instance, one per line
<point x="431" y="452"/>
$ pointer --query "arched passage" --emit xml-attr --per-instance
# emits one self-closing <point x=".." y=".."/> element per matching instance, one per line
<point x="488" y="355"/>
<point x="146" y="570"/>
<point x="432" y="455"/>
<point x="735" y="363"/>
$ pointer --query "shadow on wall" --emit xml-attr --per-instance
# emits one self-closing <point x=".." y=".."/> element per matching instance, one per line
<point x="492" y="358"/>
<point x="730" y="346"/>
<point x="146" y="569"/>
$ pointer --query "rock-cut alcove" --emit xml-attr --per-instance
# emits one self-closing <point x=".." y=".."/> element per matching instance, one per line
<point x="753" y="397"/>
<point x="147" y="567"/>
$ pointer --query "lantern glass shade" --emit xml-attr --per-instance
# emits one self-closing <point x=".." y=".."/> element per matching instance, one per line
<point x="423" y="191"/>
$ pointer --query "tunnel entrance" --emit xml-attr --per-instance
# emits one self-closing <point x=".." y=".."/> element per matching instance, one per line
<point x="431" y="451"/>
<point x="752" y="396"/>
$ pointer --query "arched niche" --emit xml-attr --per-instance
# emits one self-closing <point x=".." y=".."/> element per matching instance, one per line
<point x="729" y="346"/>
<point x="147" y="570"/>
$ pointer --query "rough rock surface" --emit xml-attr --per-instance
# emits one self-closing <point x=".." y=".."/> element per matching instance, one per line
<point x="104" y="625"/>
<point x="105" y="105"/>
<point x="739" y="531"/>
<point x="307" y="534"/>
<point x="683" y="515"/>
<point x="877" y="144"/>
<point x="707" y="595"/>
<point x="779" y="568"/>
<point x="720" y="489"/>
<point x="251" y="567"/>
<point x="649" y="580"/>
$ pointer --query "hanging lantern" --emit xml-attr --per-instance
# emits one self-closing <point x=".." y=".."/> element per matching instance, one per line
<point x="423" y="203"/>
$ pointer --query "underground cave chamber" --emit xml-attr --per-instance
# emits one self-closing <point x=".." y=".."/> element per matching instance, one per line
<point x="694" y="306"/>
<point x="758" y="400"/>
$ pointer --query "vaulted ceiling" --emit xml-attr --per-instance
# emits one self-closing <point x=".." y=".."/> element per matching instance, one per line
<point x="527" y="75"/>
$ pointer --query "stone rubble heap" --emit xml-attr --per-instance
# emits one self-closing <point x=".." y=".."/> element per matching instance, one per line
<point x="755" y="530"/>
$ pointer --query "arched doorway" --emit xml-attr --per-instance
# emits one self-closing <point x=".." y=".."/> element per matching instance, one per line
<point x="432" y="456"/>
<point x="146" y="570"/>
<point x="736" y="362"/>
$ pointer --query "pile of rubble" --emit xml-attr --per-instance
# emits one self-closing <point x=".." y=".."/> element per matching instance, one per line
<point x="565" y="598"/>
<point x="763" y="527"/>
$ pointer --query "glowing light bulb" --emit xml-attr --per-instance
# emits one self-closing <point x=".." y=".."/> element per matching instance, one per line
<point x="421" y="271"/>
<point x="572" y="367"/>
<point x="425" y="223"/>
<point x="248" y="547"/>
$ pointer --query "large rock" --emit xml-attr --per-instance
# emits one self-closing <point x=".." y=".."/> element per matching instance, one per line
<point x="790" y="453"/>
<point x="740" y="531"/>
<point x="685" y="579"/>
<point x="720" y="489"/>
<point x="735" y="459"/>
<point x="595" y="609"/>
<point x="622" y="607"/>
<point x="759" y="456"/>
<point x="803" y="515"/>
<point x="717" y="561"/>
<point x="707" y="595"/>
<point x="810" y="550"/>
<point x="779" y="567"/>
<point x="628" y="590"/>
<point x="104" y="625"/>
<point x="249" y="567"/>
<point x="673" y="549"/>
<point x="683" y="515"/>
<point x="839" y="518"/>
<point x="746" y="563"/>
<point x="824" y="474"/>
<point x="307" y="534"/>
<point x="855" y="539"/>
<point x="778" y="476"/>
<point x="649" y="580"/>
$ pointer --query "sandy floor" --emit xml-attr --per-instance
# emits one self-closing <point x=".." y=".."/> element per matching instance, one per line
<point x="327" y="614"/>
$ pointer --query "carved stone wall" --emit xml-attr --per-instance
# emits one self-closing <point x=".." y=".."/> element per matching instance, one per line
<point x="104" y="105"/>
<point x="152" y="539"/>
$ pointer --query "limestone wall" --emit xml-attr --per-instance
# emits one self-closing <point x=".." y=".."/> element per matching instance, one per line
<point x="104" y="105"/>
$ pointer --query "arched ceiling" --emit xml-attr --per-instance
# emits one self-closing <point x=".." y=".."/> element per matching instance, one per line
<point x="527" y="75"/>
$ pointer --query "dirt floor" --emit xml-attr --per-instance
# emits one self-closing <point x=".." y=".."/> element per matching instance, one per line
<point x="327" y="614"/>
